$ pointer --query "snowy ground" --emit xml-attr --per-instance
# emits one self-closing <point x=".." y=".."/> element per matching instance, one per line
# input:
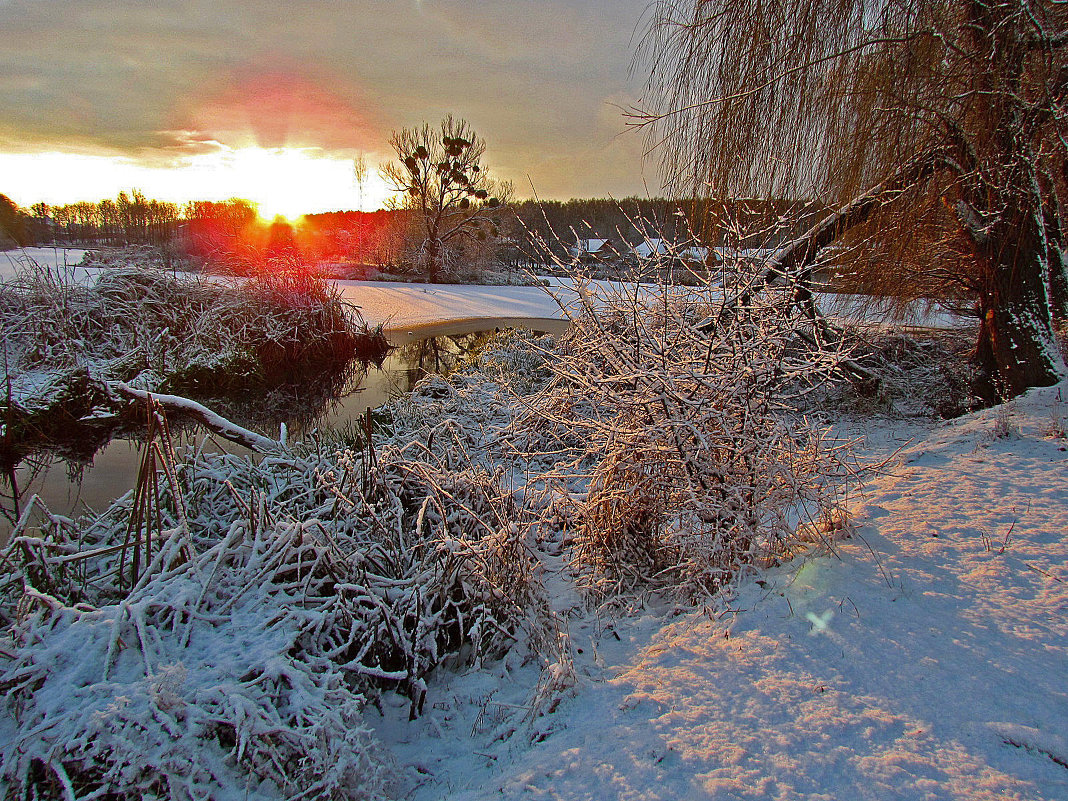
<point x="12" y="260"/>
<point x="926" y="658"/>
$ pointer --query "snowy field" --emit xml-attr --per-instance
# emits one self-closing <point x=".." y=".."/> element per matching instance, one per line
<point x="926" y="657"/>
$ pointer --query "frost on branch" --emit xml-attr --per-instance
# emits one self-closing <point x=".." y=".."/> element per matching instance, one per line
<point x="679" y="408"/>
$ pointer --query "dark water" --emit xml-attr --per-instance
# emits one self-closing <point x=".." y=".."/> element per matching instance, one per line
<point x="71" y="487"/>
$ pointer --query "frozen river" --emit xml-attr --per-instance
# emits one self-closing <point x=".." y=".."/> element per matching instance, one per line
<point x="395" y="306"/>
<point x="428" y="309"/>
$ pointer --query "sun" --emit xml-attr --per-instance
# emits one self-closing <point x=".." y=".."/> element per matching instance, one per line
<point x="290" y="182"/>
<point x="267" y="216"/>
<point x="286" y="182"/>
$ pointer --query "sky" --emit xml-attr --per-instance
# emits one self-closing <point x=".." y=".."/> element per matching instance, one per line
<point x="271" y="101"/>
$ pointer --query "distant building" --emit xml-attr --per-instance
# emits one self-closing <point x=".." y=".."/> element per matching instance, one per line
<point x="651" y="249"/>
<point x="593" y="250"/>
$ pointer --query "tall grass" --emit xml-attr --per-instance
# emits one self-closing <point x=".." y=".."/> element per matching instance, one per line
<point x="276" y="598"/>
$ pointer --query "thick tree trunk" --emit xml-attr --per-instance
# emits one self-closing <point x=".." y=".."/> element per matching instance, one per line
<point x="1016" y="348"/>
<point x="1058" y="263"/>
<point x="1058" y="282"/>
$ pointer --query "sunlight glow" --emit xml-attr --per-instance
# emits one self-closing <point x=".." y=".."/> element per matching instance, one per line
<point x="283" y="181"/>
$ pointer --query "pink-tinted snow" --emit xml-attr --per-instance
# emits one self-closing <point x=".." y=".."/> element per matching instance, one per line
<point x="399" y="306"/>
<point x="925" y="658"/>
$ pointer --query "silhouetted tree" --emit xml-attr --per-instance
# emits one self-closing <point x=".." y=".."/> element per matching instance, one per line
<point x="12" y="223"/>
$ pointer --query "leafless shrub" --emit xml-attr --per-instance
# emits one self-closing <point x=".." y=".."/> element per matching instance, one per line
<point x="679" y="409"/>
<point x="1004" y="427"/>
<point x="1055" y="429"/>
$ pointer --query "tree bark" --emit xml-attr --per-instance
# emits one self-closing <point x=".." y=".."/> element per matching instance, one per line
<point x="434" y="258"/>
<point x="1057" y="261"/>
<point x="1016" y="348"/>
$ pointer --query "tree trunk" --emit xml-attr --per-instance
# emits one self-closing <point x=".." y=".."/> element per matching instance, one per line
<point x="433" y="259"/>
<point x="1058" y="282"/>
<point x="1016" y="348"/>
<point x="1058" y="264"/>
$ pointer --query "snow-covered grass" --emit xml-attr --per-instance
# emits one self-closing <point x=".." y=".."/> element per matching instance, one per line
<point x="52" y="322"/>
<point x="272" y="599"/>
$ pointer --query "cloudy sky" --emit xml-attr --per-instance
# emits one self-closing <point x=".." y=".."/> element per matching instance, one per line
<point x="210" y="99"/>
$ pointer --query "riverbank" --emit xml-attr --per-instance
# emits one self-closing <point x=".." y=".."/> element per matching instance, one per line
<point x="916" y="650"/>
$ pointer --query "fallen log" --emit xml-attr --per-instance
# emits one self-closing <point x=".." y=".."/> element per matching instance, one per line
<point x="202" y="414"/>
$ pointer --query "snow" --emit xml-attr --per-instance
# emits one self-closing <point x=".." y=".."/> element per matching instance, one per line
<point x="649" y="247"/>
<point x="402" y="307"/>
<point x="12" y="260"/>
<point x="399" y="306"/>
<point x="923" y="657"/>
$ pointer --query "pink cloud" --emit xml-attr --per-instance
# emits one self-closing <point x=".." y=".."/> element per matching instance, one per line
<point x="277" y="108"/>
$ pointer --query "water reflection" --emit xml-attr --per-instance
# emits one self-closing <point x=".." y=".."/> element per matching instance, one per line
<point x="71" y="483"/>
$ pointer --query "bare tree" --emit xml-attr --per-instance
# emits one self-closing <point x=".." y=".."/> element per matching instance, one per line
<point x="938" y="125"/>
<point x="12" y="223"/>
<point x="440" y="175"/>
<point x="359" y="175"/>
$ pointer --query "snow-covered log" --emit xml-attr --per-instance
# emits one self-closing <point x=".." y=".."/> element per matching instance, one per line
<point x="202" y="414"/>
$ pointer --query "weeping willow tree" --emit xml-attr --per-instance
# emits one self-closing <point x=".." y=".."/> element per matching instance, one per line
<point x="935" y="128"/>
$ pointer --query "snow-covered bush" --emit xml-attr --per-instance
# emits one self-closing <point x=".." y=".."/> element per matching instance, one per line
<point x="275" y="597"/>
<point x="135" y="318"/>
<point x="679" y="411"/>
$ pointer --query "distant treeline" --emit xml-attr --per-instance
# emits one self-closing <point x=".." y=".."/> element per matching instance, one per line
<point x="210" y="228"/>
<point x="741" y="222"/>
<point x="129" y="219"/>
